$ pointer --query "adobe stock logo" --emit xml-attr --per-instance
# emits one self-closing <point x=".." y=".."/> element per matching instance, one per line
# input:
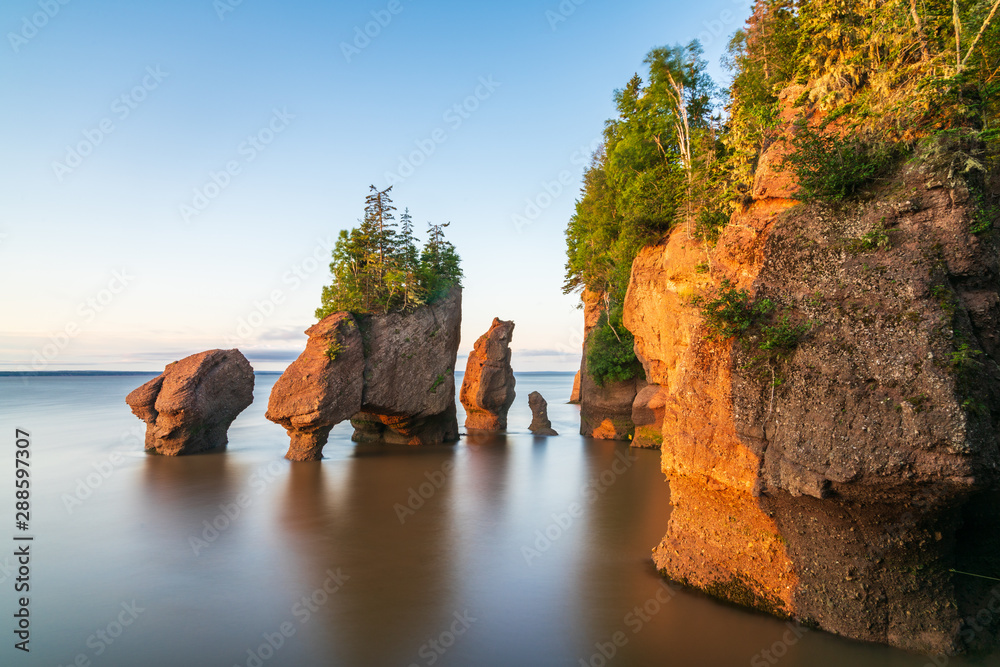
<point x="31" y="26"/>
<point x="363" y="36"/>
<point x="122" y="107"/>
<point x="247" y="152"/>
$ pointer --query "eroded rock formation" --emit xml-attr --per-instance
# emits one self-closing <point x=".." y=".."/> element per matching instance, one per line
<point x="321" y="388"/>
<point x="540" y="424"/>
<point x="846" y="484"/>
<point x="647" y="417"/>
<point x="605" y="410"/>
<point x="188" y="408"/>
<point x="392" y="375"/>
<point x="488" y="385"/>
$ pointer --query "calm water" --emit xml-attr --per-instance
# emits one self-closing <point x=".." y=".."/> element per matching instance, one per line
<point x="443" y="580"/>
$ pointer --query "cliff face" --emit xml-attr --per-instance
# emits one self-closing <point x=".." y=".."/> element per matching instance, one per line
<point x="605" y="410"/>
<point x="843" y="485"/>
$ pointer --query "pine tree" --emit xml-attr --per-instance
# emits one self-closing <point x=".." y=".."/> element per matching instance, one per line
<point x="377" y="268"/>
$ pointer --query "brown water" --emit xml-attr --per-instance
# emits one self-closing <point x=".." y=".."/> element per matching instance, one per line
<point x="463" y="575"/>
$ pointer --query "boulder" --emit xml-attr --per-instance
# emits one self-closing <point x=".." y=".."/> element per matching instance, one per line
<point x="392" y="375"/>
<point x="189" y="407"/>
<point x="647" y="416"/>
<point x="321" y="388"/>
<point x="540" y="424"/>
<point x="488" y="386"/>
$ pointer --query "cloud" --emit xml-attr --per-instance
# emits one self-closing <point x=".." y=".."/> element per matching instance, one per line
<point x="283" y="334"/>
<point x="544" y="353"/>
<point x="271" y="355"/>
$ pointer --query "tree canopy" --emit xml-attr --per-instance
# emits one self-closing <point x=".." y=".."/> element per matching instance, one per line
<point x="642" y="181"/>
<point x="888" y="72"/>
<point x="377" y="267"/>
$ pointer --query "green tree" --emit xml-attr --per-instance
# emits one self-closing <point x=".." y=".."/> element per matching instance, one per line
<point x="440" y="265"/>
<point x="639" y="184"/>
<point x="377" y="268"/>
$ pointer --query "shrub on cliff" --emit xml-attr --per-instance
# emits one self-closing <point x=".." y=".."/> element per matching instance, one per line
<point x="611" y="354"/>
<point x="831" y="168"/>
<point x="377" y="268"/>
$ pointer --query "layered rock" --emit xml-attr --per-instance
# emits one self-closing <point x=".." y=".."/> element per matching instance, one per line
<point x="540" y="424"/>
<point x="392" y="375"/>
<point x="605" y="409"/>
<point x="846" y="485"/>
<point x="189" y="407"/>
<point x="321" y="388"/>
<point x="574" y="396"/>
<point x="488" y="385"/>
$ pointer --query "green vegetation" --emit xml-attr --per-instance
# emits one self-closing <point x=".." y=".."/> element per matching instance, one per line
<point x="882" y="70"/>
<point x="877" y="79"/>
<point x="610" y="355"/>
<point x="377" y="268"/>
<point x="731" y="313"/>
<point x="876" y="239"/>
<point x="640" y="183"/>
<point x="963" y="360"/>
<point x="333" y="349"/>
<point x="986" y="212"/>
<point x="832" y="168"/>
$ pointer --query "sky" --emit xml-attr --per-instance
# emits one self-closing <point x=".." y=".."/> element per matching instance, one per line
<point x="175" y="173"/>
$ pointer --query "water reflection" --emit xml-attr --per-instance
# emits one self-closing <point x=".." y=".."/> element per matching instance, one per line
<point x="389" y="530"/>
<point x="484" y="526"/>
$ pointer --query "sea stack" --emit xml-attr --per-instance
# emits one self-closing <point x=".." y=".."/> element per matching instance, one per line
<point x="540" y="424"/>
<point x="321" y="388"/>
<point x="574" y="396"/>
<point x="392" y="375"/>
<point x="188" y="408"/>
<point x="488" y="386"/>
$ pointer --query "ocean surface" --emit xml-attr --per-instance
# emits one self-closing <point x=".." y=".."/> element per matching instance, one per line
<point x="508" y="551"/>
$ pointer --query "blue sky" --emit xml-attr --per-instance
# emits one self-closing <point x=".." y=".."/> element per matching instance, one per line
<point x="175" y="173"/>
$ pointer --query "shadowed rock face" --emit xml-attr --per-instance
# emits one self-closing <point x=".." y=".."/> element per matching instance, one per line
<point x="488" y="385"/>
<point x="189" y="407"/>
<point x="848" y="493"/>
<point x="392" y="375"/>
<point x="540" y="424"/>
<point x="321" y="388"/>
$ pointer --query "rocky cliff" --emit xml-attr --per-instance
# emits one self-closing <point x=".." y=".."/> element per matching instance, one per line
<point x="392" y="374"/>
<point x="605" y="410"/>
<point x="848" y="483"/>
